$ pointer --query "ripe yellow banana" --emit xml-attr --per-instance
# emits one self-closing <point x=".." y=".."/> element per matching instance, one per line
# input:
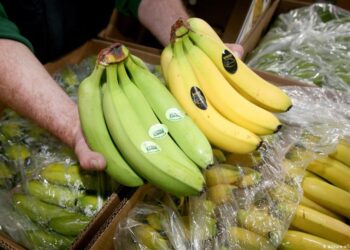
<point x="295" y="240"/>
<point x="181" y="127"/>
<point x="319" y="224"/>
<point x="96" y="132"/>
<point x="220" y="131"/>
<point x="333" y="171"/>
<point x="225" y="98"/>
<point x="327" y="195"/>
<point x="246" y="82"/>
<point x="157" y="131"/>
<point x="244" y="239"/>
<point x="198" y="25"/>
<point x="342" y="152"/>
<point x="165" y="58"/>
<point x="144" y="155"/>
<point x="311" y="204"/>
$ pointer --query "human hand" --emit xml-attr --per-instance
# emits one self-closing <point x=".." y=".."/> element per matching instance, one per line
<point x="88" y="159"/>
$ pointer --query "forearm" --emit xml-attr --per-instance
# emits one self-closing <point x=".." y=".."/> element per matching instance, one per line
<point x="27" y="88"/>
<point x="159" y="15"/>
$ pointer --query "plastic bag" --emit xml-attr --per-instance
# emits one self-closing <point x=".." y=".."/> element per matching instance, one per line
<point x="249" y="200"/>
<point x="46" y="200"/>
<point x="310" y="44"/>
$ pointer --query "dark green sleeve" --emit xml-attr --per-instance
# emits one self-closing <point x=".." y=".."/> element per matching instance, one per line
<point x="128" y="7"/>
<point x="9" y="30"/>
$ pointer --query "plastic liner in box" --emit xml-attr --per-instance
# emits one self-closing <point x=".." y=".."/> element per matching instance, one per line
<point x="46" y="200"/>
<point x="250" y="200"/>
<point x="310" y="44"/>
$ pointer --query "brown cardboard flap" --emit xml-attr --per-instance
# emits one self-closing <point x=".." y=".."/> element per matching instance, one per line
<point x="104" y="238"/>
<point x="7" y="244"/>
<point x="89" y="232"/>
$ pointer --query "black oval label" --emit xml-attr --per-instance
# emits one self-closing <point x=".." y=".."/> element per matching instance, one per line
<point x="198" y="98"/>
<point x="229" y="61"/>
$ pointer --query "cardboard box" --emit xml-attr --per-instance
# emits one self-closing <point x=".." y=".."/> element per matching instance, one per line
<point x="104" y="237"/>
<point x="92" y="47"/>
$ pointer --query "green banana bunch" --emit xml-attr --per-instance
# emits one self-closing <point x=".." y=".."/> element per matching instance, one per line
<point x="41" y="239"/>
<point x="96" y="132"/>
<point x="144" y="155"/>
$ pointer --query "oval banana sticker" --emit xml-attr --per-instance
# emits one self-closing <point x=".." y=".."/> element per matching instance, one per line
<point x="198" y="98"/>
<point x="149" y="147"/>
<point x="174" y="114"/>
<point x="229" y="61"/>
<point x="157" y="131"/>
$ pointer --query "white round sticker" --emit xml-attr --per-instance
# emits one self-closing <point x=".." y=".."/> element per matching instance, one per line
<point x="174" y="114"/>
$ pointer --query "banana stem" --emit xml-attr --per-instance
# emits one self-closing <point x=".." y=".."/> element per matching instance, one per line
<point x="112" y="54"/>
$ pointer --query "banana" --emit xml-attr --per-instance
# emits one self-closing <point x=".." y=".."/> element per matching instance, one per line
<point x="333" y="171"/>
<point x="319" y="224"/>
<point x="145" y="156"/>
<point x="311" y="204"/>
<point x="157" y="131"/>
<point x="225" y="98"/>
<point x="147" y="237"/>
<point x="96" y="132"/>
<point x="40" y="239"/>
<point x="221" y="174"/>
<point x="198" y="25"/>
<point x="89" y="204"/>
<point x="71" y="176"/>
<point x="220" y="131"/>
<point x="181" y="127"/>
<point x="246" y="82"/>
<point x="244" y="239"/>
<point x="53" y="194"/>
<point x="342" y="152"/>
<point x="260" y="222"/>
<point x="165" y="58"/>
<point x="327" y="195"/>
<point x="294" y="240"/>
<point x="70" y="225"/>
<point x="221" y="193"/>
<point x="38" y="211"/>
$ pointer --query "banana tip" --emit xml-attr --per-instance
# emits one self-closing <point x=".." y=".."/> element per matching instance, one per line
<point x="279" y="127"/>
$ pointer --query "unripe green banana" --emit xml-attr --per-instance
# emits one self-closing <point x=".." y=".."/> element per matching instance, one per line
<point x="54" y="194"/>
<point x="38" y="211"/>
<point x="70" y="225"/>
<point x="144" y="155"/>
<point x="43" y="240"/>
<point x="192" y="142"/>
<point x="71" y="176"/>
<point x="96" y="133"/>
<point x="89" y="204"/>
<point x="157" y="131"/>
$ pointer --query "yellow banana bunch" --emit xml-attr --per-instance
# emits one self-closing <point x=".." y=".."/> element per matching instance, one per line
<point x="221" y="132"/>
<point x="248" y="83"/>
<point x="228" y="116"/>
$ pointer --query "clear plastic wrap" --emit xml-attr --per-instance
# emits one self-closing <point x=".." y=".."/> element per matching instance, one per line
<point x="310" y="44"/>
<point x="46" y="199"/>
<point x="249" y="200"/>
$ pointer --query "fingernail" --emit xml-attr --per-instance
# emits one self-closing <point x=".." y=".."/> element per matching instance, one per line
<point x="237" y="54"/>
<point x="94" y="164"/>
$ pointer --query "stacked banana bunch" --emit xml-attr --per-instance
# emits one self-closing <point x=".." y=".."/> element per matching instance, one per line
<point x="61" y="201"/>
<point x="133" y="120"/>
<point x="230" y="103"/>
<point x="321" y="219"/>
